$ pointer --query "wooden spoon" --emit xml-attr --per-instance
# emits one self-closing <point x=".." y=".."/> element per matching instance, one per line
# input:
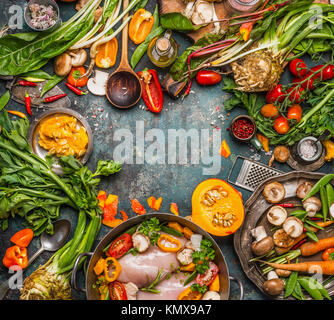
<point x="123" y="87"/>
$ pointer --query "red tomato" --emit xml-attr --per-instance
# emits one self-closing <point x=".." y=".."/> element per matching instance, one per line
<point x="117" y="291"/>
<point x="269" y="111"/>
<point x="74" y="77"/>
<point x="120" y="246"/>
<point x="328" y="254"/>
<point x="208" y="277"/>
<point x="328" y="72"/>
<point x="298" y="68"/>
<point x="281" y="125"/>
<point x="296" y="94"/>
<point x="295" y="112"/>
<point x="306" y="84"/>
<point x="208" y="77"/>
<point x="275" y="95"/>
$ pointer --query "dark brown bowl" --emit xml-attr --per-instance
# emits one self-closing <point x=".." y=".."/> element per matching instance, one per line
<point x="247" y="118"/>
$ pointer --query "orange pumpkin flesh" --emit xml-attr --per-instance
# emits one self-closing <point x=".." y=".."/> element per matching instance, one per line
<point x="217" y="207"/>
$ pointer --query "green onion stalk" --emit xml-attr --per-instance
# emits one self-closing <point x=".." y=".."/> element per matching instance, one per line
<point x="257" y="63"/>
<point x="30" y="188"/>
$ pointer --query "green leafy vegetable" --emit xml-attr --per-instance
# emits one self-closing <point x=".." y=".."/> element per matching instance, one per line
<point x="177" y="21"/>
<point x="52" y="82"/>
<point x="203" y="257"/>
<point x="4" y="99"/>
<point x="151" y="229"/>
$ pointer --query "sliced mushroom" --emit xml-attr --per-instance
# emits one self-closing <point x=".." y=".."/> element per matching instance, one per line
<point x="293" y="227"/>
<point x="185" y="256"/>
<point x="263" y="243"/>
<point x="277" y="215"/>
<point x="211" y="295"/>
<point x="283" y="273"/>
<point x="274" y="285"/>
<point x="303" y="189"/>
<point x="79" y="57"/>
<point x="189" y="245"/>
<point x="63" y="64"/>
<point x="131" y="290"/>
<point x="282" y="239"/>
<point x="274" y="192"/>
<point x="140" y="241"/>
<point x="312" y="205"/>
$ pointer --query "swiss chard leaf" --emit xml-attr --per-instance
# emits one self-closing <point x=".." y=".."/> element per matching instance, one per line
<point x="177" y="21"/>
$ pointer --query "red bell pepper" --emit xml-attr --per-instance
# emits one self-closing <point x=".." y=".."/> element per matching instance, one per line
<point x="151" y="90"/>
<point x="23" y="237"/>
<point x="16" y="257"/>
<point x="137" y="207"/>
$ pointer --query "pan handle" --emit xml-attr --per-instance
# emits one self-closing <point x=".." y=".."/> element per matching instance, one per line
<point x="75" y="269"/>
<point x="241" y="287"/>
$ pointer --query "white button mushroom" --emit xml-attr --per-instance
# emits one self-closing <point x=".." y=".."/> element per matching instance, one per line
<point x="211" y="295"/>
<point x="131" y="290"/>
<point x="263" y="243"/>
<point x="140" y="242"/>
<point x="79" y="57"/>
<point x="277" y="215"/>
<point x="185" y="256"/>
<point x="312" y="205"/>
<point x="282" y="239"/>
<point x="293" y="227"/>
<point x="274" y="285"/>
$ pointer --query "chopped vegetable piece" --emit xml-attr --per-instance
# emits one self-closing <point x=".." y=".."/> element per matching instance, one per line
<point x="112" y="269"/>
<point x="215" y="285"/>
<point x="22" y="238"/>
<point x="225" y="150"/>
<point x="168" y="243"/>
<point x="137" y="207"/>
<point x="174" y="208"/>
<point x="140" y="25"/>
<point x="100" y="266"/>
<point x="15" y="256"/>
<point x="120" y="246"/>
<point x="264" y="141"/>
<point x="117" y="291"/>
<point x="189" y="294"/>
<point x="176" y="226"/>
<point x="107" y="54"/>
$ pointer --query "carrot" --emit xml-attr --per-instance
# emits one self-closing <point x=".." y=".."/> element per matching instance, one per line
<point x="310" y="248"/>
<point x="326" y="267"/>
<point x="321" y="224"/>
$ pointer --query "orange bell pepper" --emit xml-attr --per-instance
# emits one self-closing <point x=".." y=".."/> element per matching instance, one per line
<point x="107" y="54"/>
<point x="112" y="223"/>
<point x="140" y="25"/>
<point x="102" y="197"/>
<point x="174" y="208"/>
<point x="23" y="237"/>
<point x="110" y="208"/>
<point x="225" y="150"/>
<point x="168" y="243"/>
<point x="124" y="215"/>
<point x="99" y="267"/>
<point x="112" y="269"/>
<point x="137" y="207"/>
<point x="187" y="232"/>
<point x="176" y="226"/>
<point x="215" y="285"/>
<point x="16" y="256"/>
<point x="246" y="29"/>
<point x="154" y="203"/>
<point x="188" y="294"/>
<point x="189" y="267"/>
<point x="264" y="141"/>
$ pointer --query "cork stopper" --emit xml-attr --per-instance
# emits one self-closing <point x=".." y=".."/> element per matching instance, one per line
<point x="163" y="44"/>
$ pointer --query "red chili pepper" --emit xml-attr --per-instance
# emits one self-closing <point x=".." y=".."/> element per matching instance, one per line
<point x="75" y="89"/>
<point x="298" y="244"/>
<point x="28" y="103"/>
<point x="315" y="219"/>
<point x="152" y="92"/>
<point x="286" y="205"/>
<point x="26" y="83"/>
<point x="54" y="98"/>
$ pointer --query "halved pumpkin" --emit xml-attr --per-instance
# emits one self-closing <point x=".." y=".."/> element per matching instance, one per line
<point x="217" y="207"/>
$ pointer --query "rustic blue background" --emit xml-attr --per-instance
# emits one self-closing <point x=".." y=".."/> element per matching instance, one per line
<point x="174" y="183"/>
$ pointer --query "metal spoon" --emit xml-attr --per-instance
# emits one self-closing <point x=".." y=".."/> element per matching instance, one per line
<point x="48" y="243"/>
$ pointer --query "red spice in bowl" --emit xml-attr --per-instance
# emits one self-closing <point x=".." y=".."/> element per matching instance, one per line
<point x="243" y="128"/>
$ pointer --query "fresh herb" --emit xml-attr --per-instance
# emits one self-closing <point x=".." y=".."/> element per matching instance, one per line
<point x="52" y="82"/>
<point x="151" y="288"/>
<point x="151" y="229"/>
<point x="203" y="257"/>
<point x="171" y="231"/>
<point x="134" y="251"/>
<point x="197" y="287"/>
<point x="4" y="99"/>
<point x="190" y="278"/>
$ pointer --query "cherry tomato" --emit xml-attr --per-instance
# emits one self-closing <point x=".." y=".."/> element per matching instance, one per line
<point x="306" y="84"/>
<point x="295" y="112"/>
<point x="117" y="291"/>
<point x="208" y="277"/>
<point x="269" y="111"/>
<point x="328" y="254"/>
<point x="296" y="94"/>
<point x="120" y="246"/>
<point x="298" y="68"/>
<point x="208" y="77"/>
<point x="74" y="77"/>
<point x="328" y="72"/>
<point x="281" y="125"/>
<point x="275" y="95"/>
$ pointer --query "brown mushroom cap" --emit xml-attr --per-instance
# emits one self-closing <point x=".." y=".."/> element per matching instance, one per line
<point x="281" y="154"/>
<point x="79" y="57"/>
<point x="263" y="246"/>
<point x="274" y="287"/>
<point x="303" y="189"/>
<point x="293" y="227"/>
<point x="63" y="64"/>
<point x="274" y="192"/>
<point x="282" y="239"/>
<point x="283" y="273"/>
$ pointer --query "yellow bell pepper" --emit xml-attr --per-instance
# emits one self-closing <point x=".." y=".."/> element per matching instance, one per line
<point x="225" y="150"/>
<point x="112" y="269"/>
<point x="215" y="285"/>
<point x="107" y="54"/>
<point x="187" y="232"/>
<point x="176" y="226"/>
<point x="188" y="294"/>
<point x="329" y="145"/>
<point x="140" y="25"/>
<point x="174" y="208"/>
<point x="168" y="243"/>
<point x="264" y="141"/>
<point x="188" y="267"/>
<point x="99" y="267"/>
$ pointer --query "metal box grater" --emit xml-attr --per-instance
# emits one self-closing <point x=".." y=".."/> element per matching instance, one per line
<point x="252" y="174"/>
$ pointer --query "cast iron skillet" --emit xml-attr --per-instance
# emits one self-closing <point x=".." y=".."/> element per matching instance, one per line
<point x="91" y="278"/>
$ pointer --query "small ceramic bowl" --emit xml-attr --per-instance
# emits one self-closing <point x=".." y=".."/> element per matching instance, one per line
<point x="247" y="118"/>
<point x="27" y="16"/>
<point x="309" y="149"/>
